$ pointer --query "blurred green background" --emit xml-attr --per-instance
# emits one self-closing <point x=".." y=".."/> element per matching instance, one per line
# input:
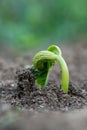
<point x="33" y="23"/>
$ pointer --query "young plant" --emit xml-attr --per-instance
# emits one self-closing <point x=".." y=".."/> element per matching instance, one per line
<point x="43" y="62"/>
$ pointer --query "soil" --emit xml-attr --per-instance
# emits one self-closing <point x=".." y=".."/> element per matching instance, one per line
<point x="18" y="88"/>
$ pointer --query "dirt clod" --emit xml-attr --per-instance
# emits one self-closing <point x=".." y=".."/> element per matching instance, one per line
<point x="25" y="81"/>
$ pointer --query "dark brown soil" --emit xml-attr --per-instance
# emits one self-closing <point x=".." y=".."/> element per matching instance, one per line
<point x="43" y="107"/>
<point x="23" y="93"/>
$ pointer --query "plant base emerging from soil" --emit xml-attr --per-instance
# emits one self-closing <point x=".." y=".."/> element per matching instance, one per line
<point x="42" y="63"/>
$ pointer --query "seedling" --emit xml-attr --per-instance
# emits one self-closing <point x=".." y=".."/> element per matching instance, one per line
<point x="43" y="62"/>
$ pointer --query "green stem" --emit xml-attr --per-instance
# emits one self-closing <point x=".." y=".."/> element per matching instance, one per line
<point x="43" y="62"/>
<point x="65" y="73"/>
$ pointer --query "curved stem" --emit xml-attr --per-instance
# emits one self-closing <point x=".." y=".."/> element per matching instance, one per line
<point x="65" y="73"/>
<point x="55" y="49"/>
<point x="43" y="62"/>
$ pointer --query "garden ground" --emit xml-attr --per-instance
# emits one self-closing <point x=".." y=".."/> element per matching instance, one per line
<point x="51" y="99"/>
